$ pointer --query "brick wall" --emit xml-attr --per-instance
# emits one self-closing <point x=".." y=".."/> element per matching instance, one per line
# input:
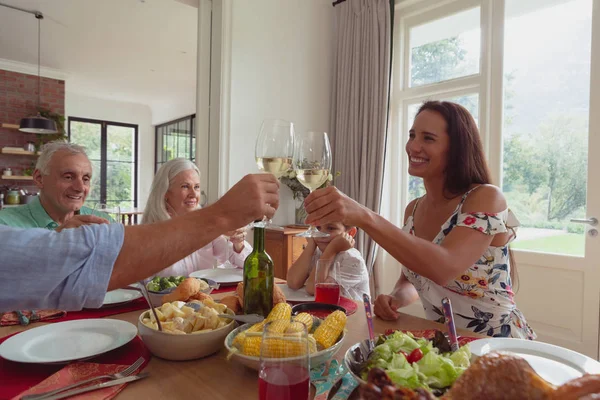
<point x="18" y="99"/>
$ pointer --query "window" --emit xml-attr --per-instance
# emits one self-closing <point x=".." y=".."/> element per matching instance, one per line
<point x="112" y="149"/>
<point x="175" y="139"/>
<point x="546" y="119"/>
<point x="445" y="48"/>
<point x="533" y="111"/>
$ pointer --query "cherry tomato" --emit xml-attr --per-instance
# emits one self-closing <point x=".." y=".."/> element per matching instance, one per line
<point x="403" y="352"/>
<point x="415" y="356"/>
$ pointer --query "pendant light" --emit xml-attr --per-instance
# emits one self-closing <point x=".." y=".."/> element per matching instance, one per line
<point x="38" y="124"/>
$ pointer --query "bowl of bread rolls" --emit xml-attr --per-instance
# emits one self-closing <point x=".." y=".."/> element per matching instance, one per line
<point x="178" y="288"/>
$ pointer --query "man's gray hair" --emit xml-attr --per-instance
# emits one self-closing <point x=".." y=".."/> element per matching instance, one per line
<point x="156" y="209"/>
<point x="52" y="147"/>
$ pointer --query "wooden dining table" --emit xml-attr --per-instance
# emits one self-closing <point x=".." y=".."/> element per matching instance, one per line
<point x="215" y="377"/>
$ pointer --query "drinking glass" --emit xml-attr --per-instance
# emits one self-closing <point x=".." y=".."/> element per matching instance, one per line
<point x="327" y="282"/>
<point x="274" y="152"/>
<point x="284" y="363"/>
<point x="312" y="163"/>
<point x="110" y="212"/>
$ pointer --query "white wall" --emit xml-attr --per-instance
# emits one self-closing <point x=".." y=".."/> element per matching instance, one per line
<point x="77" y="105"/>
<point x="281" y="60"/>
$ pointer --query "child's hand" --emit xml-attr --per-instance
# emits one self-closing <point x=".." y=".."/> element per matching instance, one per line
<point x="340" y="243"/>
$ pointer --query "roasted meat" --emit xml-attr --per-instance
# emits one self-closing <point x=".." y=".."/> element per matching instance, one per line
<point x="500" y="376"/>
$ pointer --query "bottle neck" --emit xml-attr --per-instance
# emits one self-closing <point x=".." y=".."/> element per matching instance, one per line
<point x="259" y="240"/>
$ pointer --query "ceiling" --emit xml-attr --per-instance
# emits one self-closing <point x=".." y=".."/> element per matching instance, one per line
<point x="138" y="51"/>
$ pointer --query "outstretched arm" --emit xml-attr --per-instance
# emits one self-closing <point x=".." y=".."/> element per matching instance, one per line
<point x="440" y="263"/>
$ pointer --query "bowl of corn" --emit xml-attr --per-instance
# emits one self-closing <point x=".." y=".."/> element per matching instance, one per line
<point x="325" y="336"/>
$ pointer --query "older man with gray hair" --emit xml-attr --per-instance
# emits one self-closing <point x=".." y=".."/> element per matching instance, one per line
<point x="63" y="174"/>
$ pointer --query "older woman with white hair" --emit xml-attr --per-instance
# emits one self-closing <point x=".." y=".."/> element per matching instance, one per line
<point x="176" y="191"/>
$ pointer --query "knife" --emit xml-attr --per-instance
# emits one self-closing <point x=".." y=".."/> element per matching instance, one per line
<point x="23" y="320"/>
<point x="98" y="386"/>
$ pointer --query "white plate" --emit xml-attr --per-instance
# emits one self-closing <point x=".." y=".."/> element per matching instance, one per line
<point x="120" y="296"/>
<point x="223" y="276"/>
<point x="555" y="364"/>
<point x="67" y="341"/>
<point x="295" y="295"/>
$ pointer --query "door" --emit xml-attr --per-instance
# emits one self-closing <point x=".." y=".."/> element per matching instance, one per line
<point x="529" y="72"/>
<point x="550" y="136"/>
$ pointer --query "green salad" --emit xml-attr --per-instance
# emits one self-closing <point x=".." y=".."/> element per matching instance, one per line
<point x="158" y="284"/>
<point x="415" y="362"/>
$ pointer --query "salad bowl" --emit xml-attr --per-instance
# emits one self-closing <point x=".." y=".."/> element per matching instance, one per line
<point x="434" y="370"/>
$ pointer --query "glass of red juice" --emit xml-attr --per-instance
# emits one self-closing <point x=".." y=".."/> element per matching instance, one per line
<point x="327" y="287"/>
<point x="284" y="364"/>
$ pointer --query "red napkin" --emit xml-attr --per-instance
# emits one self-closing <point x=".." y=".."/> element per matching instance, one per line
<point x="11" y="318"/>
<point x="78" y="372"/>
<point x="16" y="378"/>
<point x="224" y="289"/>
<point x="349" y="304"/>
<point x="135" y="305"/>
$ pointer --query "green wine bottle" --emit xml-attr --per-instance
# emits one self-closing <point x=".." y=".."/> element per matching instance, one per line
<point x="258" y="278"/>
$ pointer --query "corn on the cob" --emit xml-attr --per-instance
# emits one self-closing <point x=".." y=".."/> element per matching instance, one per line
<point x="306" y="319"/>
<point x="312" y="344"/>
<point x="280" y="347"/>
<point x="258" y="327"/>
<point x="238" y="340"/>
<point x="280" y="311"/>
<point x="251" y="346"/>
<point x="328" y="332"/>
<point x="277" y="347"/>
<point x="295" y="327"/>
<point x="278" y="326"/>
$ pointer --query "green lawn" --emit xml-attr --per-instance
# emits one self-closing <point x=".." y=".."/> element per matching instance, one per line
<point x="569" y="243"/>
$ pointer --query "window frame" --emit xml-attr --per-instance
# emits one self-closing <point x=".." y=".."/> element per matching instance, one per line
<point x="103" y="153"/>
<point x="192" y="119"/>
<point x="487" y="84"/>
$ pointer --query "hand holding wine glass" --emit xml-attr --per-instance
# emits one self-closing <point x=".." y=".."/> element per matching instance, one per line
<point x="274" y="151"/>
<point x="312" y="163"/>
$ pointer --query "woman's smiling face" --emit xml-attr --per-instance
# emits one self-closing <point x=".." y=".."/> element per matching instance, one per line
<point x="183" y="194"/>
<point x="428" y="145"/>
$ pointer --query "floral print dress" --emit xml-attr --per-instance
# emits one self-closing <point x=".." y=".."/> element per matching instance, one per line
<point x="482" y="297"/>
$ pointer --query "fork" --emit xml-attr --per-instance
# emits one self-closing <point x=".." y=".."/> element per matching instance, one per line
<point x="126" y="372"/>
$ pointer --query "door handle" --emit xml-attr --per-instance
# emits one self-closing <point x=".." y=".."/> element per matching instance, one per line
<point x="593" y="221"/>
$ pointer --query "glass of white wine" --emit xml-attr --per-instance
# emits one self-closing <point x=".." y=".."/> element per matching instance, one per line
<point x="274" y="153"/>
<point x="110" y="212"/>
<point x="312" y="163"/>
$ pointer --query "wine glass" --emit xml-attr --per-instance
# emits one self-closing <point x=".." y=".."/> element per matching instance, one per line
<point x="274" y="152"/>
<point x="284" y="363"/>
<point x="110" y="212"/>
<point x="312" y="163"/>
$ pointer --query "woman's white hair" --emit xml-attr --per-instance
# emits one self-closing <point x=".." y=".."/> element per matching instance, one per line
<point x="156" y="209"/>
<point x="52" y="147"/>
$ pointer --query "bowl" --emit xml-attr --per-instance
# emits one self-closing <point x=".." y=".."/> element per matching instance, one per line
<point x="351" y="362"/>
<point x="156" y="297"/>
<point x="316" y="359"/>
<point x="171" y="346"/>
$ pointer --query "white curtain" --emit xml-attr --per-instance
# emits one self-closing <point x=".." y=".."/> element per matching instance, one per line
<point x="361" y="74"/>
